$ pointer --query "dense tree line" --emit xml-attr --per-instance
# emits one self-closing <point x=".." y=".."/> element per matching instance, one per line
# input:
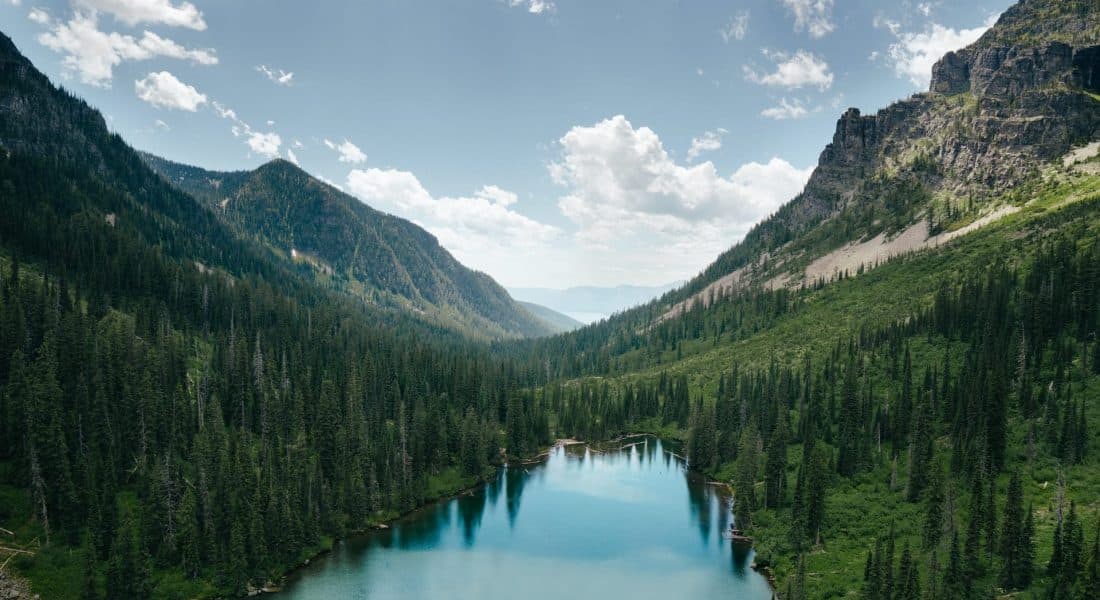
<point x="230" y="453"/>
<point x="174" y="397"/>
<point x="1003" y="351"/>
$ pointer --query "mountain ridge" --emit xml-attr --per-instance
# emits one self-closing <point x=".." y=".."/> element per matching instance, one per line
<point x="378" y="257"/>
<point x="993" y="113"/>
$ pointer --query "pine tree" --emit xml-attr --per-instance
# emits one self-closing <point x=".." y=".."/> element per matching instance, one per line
<point x="933" y="510"/>
<point x="745" y="482"/>
<point x="921" y="452"/>
<point x="128" y="569"/>
<point x="817" y="471"/>
<point x="908" y="583"/>
<point x="955" y="582"/>
<point x="775" y="468"/>
<point x="1013" y="540"/>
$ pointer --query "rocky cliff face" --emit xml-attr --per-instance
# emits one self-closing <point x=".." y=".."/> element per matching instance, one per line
<point x="996" y="114"/>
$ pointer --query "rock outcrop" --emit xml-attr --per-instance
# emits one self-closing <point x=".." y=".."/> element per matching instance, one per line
<point x="995" y="114"/>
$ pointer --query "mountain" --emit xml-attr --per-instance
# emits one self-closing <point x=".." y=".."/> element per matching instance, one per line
<point x="937" y="165"/>
<point x="187" y="413"/>
<point x="898" y="373"/>
<point x="557" y="321"/>
<point x="381" y="258"/>
<point x="591" y="303"/>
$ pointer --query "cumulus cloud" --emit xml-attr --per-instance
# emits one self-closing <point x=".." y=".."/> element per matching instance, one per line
<point x="154" y="12"/>
<point x="621" y="182"/>
<point x="349" y="152"/>
<point x="163" y="90"/>
<point x="277" y="76"/>
<point x="291" y="156"/>
<point x="535" y="7"/>
<point x="264" y="144"/>
<point x="37" y="15"/>
<point x="914" y="53"/>
<point x="812" y="16"/>
<point x="793" y="71"/>
<point x="737" y="27"/>
<point x="708" y="142"/>
<point x="786" y="109"/>
<point x="474" y="227"/>
<point x="92" y="54"/>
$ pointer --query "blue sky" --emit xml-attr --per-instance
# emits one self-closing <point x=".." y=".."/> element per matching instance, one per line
<point x="548" y="143"/>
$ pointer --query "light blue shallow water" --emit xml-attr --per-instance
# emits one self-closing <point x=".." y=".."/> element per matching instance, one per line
<point x="628" y="524"/>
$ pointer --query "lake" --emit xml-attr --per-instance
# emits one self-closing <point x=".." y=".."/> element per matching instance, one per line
<point x="631" y="523"/>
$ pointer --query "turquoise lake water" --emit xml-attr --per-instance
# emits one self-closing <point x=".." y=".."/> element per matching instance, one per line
<point x="629" y="524"/>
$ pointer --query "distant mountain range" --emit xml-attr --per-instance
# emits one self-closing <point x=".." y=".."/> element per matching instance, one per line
<point x="592" y="303"/>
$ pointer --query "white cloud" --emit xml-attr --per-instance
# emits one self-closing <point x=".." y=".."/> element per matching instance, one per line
<point x="708" y="142"/>
<point x="914" y="54"/>
<point x="621" y="182"/>
<point x="277" y="76"/>
<point x="737" y="27"/>
<point x="156" y="12"/>
<point x="161" y="125"/>
<point x="786" y="109"/>
<point x="812" y="16"/>
<point x="224" y="111"/>
<point x="535" y="7"/>
<point x="473" y="227"/>
<point x="163" y="90"/>
<point x="291" y="156"/>
<point x="37" y="15"/>
<point x="497" y="195"/>
<point x="264" y="144"/>
<point x="349" y="152"/>
<point x="793" y="71"/>
<point x="92" y="54"/>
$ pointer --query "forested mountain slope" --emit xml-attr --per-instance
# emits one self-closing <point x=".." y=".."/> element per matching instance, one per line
<point x="182" y="412"/>
<point x="920" y="426"/>
<point x="919" y="174"/>
<point x="381" y="258"/>
<point x="556" y="320"/>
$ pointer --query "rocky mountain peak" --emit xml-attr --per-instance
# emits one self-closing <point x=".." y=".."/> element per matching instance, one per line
<point x="998" y="112"/>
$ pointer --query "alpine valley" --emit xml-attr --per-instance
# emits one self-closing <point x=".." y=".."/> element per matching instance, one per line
<point x="208" y="379"/>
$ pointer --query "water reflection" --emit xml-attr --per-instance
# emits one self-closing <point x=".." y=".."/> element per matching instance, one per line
<point x="628" y="522"/>
<point x="470" y="510"/>
<point x="514" y="480"/>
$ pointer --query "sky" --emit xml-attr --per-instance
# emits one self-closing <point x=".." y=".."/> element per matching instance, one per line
<point x="548" y="143"/>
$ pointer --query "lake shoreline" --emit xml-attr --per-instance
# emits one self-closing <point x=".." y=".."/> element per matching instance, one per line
<point x="593" y="446"/>
<point x="382" y="524"/>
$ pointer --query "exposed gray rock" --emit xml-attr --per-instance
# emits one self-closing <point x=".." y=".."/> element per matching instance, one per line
<point x="996" y="113"/>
